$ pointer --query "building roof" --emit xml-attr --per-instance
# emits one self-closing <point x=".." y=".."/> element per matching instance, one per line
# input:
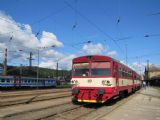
<point x="153" y="68"/>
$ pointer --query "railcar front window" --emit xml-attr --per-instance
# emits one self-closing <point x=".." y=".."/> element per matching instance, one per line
<point x="101" y="72"/>
<point x="101" y="69"/>
<point x="81" y="69"/>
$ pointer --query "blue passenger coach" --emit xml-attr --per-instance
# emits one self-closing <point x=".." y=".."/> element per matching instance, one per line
<point x="6" y="81"/>
<point x="10" y="81"/>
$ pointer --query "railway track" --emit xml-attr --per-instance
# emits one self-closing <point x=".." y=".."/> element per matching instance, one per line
<point x="89" y="111"/>
<point x="4" y="95"/>
<point x="33" y="98"/>
<point x="43" y="113"/>
<point x="34" y="110"/>
<point x="60" y="109"/>
<point x="74" y="114"/>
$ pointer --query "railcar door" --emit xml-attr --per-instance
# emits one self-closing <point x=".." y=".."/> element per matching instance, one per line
<point x="43" y="82"/>
<point x="116" y="73"/>
<point x="133" y="79"/>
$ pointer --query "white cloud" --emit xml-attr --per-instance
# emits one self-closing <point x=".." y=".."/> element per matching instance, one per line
<point x="49" y="39"/>
<point x="48" y="64"/>
<point x="2" y="46"/>
<point x="16" y="36"/>
<point x="53" y="54"/>
<point x="138" y="67"/>
<point x="112" y="53"/>
<point x="65" y="62"/>
<point x="93" y="49"/>
<point x="20" y="37"/>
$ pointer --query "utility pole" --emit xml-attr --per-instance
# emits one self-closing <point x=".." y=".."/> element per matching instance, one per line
<point x="30" y="59"/>
<point x="38" y="62"/>
<point x="147" y="69"/>
<point x="20" y="70"/>
<point x="57" y="71"/>
<point x="126" y="55"/>
<point x="38" y="68"/>
<point x="62" y="73"/>
<point x="139" y="64"/>
<point x="5" y="63"/>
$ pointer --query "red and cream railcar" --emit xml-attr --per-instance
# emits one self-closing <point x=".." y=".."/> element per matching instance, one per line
<point x="99" y="78"/>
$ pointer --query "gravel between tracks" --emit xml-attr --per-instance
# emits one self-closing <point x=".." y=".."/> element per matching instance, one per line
<point x="32" y="98"/>
<point x="5" y="95"/>
<point x="91" y="111"/>
<point x="8" y="112"/>
<point x="61" y="109"/>
<point x="40" y="114"/>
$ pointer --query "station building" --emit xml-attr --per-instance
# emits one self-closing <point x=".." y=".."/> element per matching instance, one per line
<point x="152" y="75"/>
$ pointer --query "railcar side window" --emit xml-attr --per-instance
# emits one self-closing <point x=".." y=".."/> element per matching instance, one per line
<point x="8" y="80"/>
<point x="116" y="71"/>
<point x="3" y="80"/>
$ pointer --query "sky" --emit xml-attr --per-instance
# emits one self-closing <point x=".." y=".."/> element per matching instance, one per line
<point x="116" y="28"/>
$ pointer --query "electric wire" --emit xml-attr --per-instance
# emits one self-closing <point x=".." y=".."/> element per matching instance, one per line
<point x="49" y="15"/>
<point x="94" y="25"/>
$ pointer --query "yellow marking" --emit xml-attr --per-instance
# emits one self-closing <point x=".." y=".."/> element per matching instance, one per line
<point x="91" y="101"/>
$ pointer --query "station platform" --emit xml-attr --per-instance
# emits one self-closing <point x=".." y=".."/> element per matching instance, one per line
<point x="144" y="106"/>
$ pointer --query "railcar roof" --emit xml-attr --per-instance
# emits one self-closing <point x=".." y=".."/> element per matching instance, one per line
<point x="100" y="58"/>
<point x="27" y="77"/>
<point x="6" y="76"/>
<point x="94" y="57"/>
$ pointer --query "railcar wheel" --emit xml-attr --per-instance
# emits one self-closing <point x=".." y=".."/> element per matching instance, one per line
<point x="126" y="93"/>
<point x="121" y="94"/>
<point x="133" y="90"/>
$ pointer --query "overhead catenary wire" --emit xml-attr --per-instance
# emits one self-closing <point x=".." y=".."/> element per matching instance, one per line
<point x="38" y="33"/>
<point x="124" y="38"/>
<point x="94" y="25"/>
<point x="81" y="43"/>
<point x="153" y="14"/>
<point x="19" y="30"/>
<point x="49" y="15"/>
<point x="75" y="23"/>
<point x="151" y="35"/>
<point x="118" y="20"/>
<point x="5" y="20"/>
<point x="38" y="21"/>
<point x="145" y="55"/>
<point x="76" y="12"/>
<point x="147" y="35"/>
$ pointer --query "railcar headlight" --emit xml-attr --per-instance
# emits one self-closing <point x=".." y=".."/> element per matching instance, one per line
<point x="106" y="82"/>
<point x="74" y="82"/>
